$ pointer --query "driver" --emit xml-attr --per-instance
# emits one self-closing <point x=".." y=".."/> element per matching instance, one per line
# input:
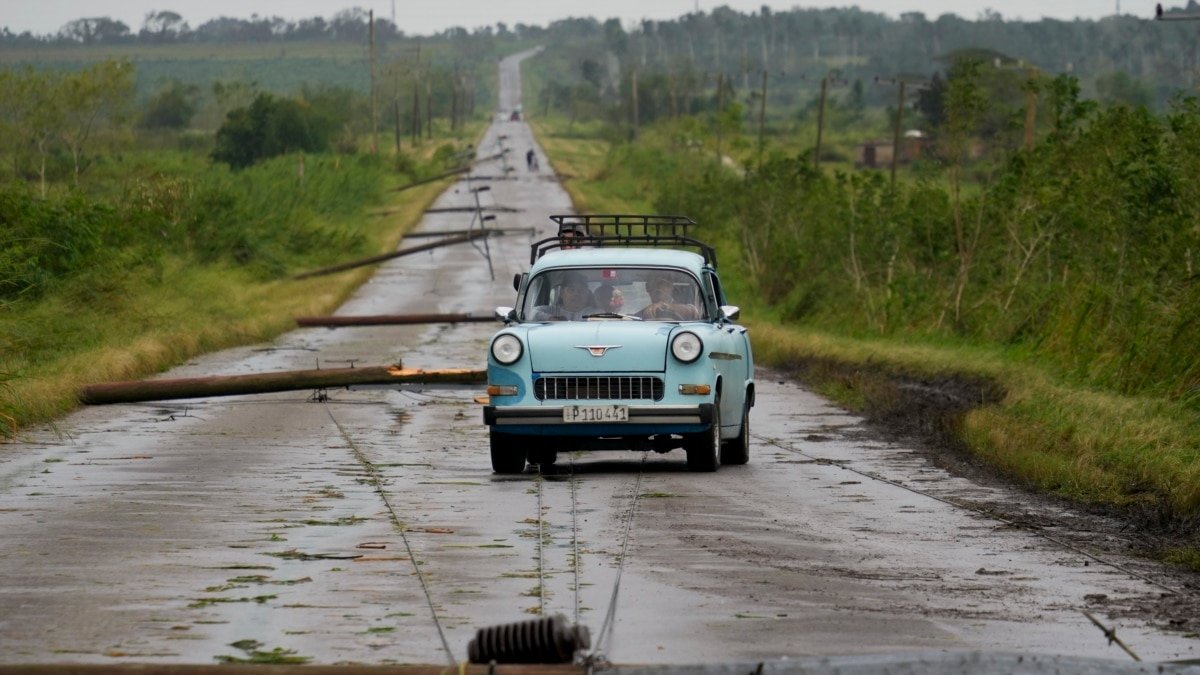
<point x="574" y="301"/>
<point x="662" y="302"/>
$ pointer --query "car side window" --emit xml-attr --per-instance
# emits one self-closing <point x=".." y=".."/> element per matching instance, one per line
<point x="716" y="296"/>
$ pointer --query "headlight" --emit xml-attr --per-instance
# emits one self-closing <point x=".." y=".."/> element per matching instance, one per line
<point x="507" y="349"/>
<point x="687" y="347"/>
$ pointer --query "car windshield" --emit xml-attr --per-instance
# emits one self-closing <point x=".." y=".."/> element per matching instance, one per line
<point x="614" y="293"/>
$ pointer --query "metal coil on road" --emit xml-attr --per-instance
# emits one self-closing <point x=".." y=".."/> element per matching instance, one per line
<point x="546" y="640"/>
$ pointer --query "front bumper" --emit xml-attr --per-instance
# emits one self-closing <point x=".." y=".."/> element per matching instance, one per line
<point x="639" y="416"/>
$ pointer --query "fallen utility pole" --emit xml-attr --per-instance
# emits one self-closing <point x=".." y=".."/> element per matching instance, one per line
<point x="388" y="256"/>
<point x="449" y="209"/>
<point x="389" y="320"/>
<point x="438" y="177"/>
<point x="470" y="209"/>
<point x="265" y="383"/>
<point x="463" y="169"/>
<point x="491" y="230"/>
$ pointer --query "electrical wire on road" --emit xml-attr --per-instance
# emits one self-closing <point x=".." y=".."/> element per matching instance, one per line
<point x="974" y="509"/>
<point x="377" y="485"/>
<point x="574" y="533"/>
<point x="541" y="541"/>
<point x="604" y="637"/>
<point x="603" y="641"/>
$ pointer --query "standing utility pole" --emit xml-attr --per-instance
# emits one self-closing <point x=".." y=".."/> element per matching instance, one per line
<point x="634" y="87"/>
<point x="762" y="118"/>
<point x="374" y="90"/>
<point x="830" y="78"/>
<point x="898" y="130"/>
<point x="1031" y="104"/>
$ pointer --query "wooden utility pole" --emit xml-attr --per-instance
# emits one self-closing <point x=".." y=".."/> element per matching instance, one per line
<point x="390" y="320"/>
<point x="1031" y="105"/>
<point x="372" y="260"/>
<point x="416" y="111"/>
<point x="762" y="119"/>
<point x="634" y="88"/>
<point x="720" y="111"/>
<point x="396" y="105"/>
<point x="374" y="89"/>
<point x="262" y="383"/>
<point x="820" y="122"/>
<point x="899" y="130"/>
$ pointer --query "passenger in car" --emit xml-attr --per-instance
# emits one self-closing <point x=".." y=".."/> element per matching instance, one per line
<point x="662" y="302"/>
<point x="573" y="302"/>
<point x="608" y="298"/>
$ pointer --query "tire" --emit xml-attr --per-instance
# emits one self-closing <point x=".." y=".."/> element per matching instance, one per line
<point x="737" y="450"/>
<point x="541" y="456"/>
<point x="704" y="449"/>
<point x="508" y="453"/>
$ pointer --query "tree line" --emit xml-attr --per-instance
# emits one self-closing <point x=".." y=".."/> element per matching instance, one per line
<point x="168" y="27"/>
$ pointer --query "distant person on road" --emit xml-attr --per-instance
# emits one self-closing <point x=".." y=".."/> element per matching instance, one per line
<point x="531" y="160"/>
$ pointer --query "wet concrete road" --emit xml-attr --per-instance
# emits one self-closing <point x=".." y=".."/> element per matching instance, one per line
<point x="370" y="529"/>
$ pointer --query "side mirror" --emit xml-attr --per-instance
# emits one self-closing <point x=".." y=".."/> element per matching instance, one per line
<point x="517" y="281"/>
<point x="506" y="314"/>
<point x="730" y="312"/>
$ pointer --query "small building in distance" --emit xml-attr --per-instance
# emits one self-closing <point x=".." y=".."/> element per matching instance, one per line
<point x="877" y="154"/>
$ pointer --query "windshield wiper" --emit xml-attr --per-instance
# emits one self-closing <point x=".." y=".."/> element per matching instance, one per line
<point x="611" y="315"/>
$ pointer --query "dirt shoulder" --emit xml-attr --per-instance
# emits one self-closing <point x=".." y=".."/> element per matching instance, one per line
<point x="927" y="413"/>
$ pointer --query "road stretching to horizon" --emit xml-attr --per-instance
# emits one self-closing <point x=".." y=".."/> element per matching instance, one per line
<point x="369" y="528"/>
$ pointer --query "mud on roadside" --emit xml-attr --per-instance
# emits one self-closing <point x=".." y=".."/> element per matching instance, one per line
<point x="926" y="413"/>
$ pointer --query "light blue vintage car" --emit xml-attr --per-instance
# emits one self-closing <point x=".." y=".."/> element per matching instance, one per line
<point x="621" y="339"/>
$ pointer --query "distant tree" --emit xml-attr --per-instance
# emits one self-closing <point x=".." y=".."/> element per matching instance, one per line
<point x="615" y="38"/>
<point x="349" y="24"/>
<point x="171" y="108"/>
<point x="31" y="114"/>
<point x="162" y="26"/>
<point x="1120" y="88"/>
<point x="270" y="126"/>
<point x="99" y="94"/>
<point x="95" y="29"/>
<point x="931" y="101"/>
<point x="592" y="72"/>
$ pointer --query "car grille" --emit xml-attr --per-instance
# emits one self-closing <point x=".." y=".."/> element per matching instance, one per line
<point x="598" y="388"/>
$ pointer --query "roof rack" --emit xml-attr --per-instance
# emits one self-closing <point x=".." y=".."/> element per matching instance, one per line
<point x="627" y="230"/>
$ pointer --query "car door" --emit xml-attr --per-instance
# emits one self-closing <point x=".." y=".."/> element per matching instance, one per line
<point x="730" y="354"/>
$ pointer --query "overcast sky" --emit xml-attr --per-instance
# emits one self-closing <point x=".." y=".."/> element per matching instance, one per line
<point x="430" y="16"/>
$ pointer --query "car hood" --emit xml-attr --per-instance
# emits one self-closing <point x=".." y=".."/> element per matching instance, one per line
<point x="632" y="346"/>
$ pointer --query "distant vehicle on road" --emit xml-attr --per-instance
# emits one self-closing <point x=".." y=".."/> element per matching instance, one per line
<point x="621" y="338"/>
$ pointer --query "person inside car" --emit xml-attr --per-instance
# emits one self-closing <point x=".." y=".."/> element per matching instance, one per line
<point x="609" y="298"/>
<point x="662" y="302"/>
<point x="572" y="303"/>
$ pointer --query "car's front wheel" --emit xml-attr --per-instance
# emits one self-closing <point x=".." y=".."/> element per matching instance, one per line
<point x="737" y="450"/>
<point x="704" y="449"/>
<point x="508" y="453"/>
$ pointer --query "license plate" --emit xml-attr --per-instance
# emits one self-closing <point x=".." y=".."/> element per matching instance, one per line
<point x="596" y="413"/>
